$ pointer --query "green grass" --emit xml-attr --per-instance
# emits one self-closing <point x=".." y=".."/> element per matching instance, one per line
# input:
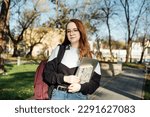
<point x="147" y="88"/>
<point x="134" y="65"/>
<point x="18" y="83"/>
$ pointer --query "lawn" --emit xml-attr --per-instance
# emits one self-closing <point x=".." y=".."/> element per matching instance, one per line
<point x="18" y="83"/>
<point x="147" y="88"/>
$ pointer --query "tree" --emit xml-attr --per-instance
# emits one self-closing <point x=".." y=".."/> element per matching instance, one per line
<point x="24" y="21"/>
<point x="34" y="37"/>
<point x="108" y="11"/>
<point x="4" y="19"/>
<point x="62" y="12"/>
<point x="87" y="10"/>
<point x="145" y="36"/>
<point x="131" y="23"/>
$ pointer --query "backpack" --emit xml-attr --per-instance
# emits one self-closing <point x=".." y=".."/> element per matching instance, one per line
<point x="41" y="89"/>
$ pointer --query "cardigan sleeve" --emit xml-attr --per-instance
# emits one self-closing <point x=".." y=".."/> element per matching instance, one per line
<point x="50" y="74"/>
<point x="91" y="86"/>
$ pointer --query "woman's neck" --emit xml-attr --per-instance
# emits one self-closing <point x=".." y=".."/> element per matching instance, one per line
<point x="75" y="45"/>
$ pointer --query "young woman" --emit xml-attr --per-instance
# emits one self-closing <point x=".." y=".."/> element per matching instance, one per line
<point x="67" y="85"/>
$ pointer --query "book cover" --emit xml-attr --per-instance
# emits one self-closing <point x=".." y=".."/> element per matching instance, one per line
<point x="86" y="68"/>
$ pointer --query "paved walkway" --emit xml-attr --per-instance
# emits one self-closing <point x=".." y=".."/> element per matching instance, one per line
<point x="126" y="86"/>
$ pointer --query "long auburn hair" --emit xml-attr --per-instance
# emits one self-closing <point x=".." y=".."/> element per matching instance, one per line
<point x="84" y="46"/>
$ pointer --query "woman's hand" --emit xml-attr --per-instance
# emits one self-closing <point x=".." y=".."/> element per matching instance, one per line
<point x="71" y="79"/>
<point x="75" y="87"/>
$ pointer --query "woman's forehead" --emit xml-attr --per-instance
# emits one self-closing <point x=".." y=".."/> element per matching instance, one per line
<point x="71" y="25"/>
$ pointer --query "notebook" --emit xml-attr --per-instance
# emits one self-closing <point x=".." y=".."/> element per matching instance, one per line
<point x="86" y="69"/>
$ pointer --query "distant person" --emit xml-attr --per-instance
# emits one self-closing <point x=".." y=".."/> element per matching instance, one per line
<point x="62" y="76"/>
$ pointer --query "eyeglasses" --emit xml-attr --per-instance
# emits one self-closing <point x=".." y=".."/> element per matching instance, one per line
<point x="73" y="31"/>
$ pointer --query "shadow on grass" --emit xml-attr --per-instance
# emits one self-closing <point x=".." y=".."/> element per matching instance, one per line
<point x="17" y="87"/>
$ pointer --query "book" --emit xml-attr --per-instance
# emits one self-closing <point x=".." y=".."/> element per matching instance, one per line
<point x="86" y="69"/>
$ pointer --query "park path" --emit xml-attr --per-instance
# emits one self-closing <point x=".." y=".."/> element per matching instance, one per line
<point x="126" y="86"/>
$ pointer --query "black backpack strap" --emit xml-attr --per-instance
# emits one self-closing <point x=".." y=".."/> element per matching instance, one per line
<point x="61" y="53"/>
<point x="59" y="58"/>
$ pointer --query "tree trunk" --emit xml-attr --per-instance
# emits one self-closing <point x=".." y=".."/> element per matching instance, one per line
<point x="142" y="55"/>
<point x="16" y="52"/>
<point x="128" y="50"/>
<point x="29" y="54"/>
<point x="109" y="41"/>
<point x="110" y="47"/>
<point x="4" y="21"/>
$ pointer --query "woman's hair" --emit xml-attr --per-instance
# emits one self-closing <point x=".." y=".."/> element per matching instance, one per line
<point x="84" y="47"/>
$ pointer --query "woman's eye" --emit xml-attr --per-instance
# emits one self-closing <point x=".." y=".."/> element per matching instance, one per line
<point x="72" y="31"/>
<point x="68" y="31"/>
<point x="75" y="30"/>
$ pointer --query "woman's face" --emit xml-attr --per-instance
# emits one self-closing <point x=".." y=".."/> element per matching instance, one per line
<point x="73" y="33"/>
